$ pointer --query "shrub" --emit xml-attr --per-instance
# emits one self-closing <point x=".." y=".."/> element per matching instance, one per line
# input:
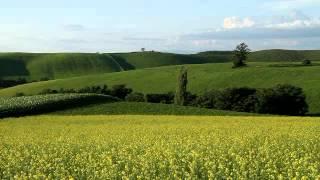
<point x="160" y="98"/>
<point x="282" y="100"/>
<point x="48" y="91"/>
<point x="208" y="99"/>
<point x="135" y="97"/>
<point x="306" y="62"/>
<point x="120" y="91"/>
<point x="236" y="99"/>
<point x="44" y="79"/>
<point x="190" y="99"/>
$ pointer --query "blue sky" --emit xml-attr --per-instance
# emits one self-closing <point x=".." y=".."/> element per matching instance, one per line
<point x="183" y="26"/>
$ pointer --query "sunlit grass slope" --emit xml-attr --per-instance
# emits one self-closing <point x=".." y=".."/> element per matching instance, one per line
<point x="201" y="78"/>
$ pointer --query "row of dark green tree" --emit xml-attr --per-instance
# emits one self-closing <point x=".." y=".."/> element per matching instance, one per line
<point x="282" y="99"/>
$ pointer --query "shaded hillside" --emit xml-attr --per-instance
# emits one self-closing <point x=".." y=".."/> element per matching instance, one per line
<point x="53" y="66"/>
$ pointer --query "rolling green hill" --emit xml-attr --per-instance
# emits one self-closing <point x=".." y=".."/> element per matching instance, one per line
<point x="278" y="55"/>
<point x="132" y="108"/>
<point x="201" y="78"/>
<point x="66" y="65"/>
<point x="139" y="60"/>
<point x="273" y="55"/>
<point x="53" y="66"/>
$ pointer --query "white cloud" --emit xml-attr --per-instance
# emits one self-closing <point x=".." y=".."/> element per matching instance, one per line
<point x="290" y="4"/>
<point x="236" y="22"/>
<point x="296" y="24"/>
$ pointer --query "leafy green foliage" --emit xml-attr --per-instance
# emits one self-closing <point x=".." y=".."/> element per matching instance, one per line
<point x="181" y="90"/>
<point x="241" y="55"/>
<point x="28" y="105"/>
<point x="236" y="99"/>
<point x="142" y="108"/>
<point x="166" y="98"/>
<point x="135" y="97"/>
<point x="306" y="62"/>
<point x="120" y="91"/>
<point x="283" y="100"/>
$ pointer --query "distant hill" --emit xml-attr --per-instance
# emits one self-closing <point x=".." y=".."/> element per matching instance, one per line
<point x="66" y="65"/>
<point x="273" y="55"/>
<point x="139" y="60"/>
<point x="278" y="55"/>
<point x="55" y="66"/>
<point x="201" y="78"/>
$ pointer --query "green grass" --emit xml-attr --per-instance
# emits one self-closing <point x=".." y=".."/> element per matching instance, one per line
<point x="132" y="108"/>
<point x="273" y="55"/>
<point x="141" y="60"/>
<point x="40" y="104"/>
<point x="54" y="66"/>
<point x="201" y="78"/>
<point x="159" y="147"/>
<point x="66" y="65"/>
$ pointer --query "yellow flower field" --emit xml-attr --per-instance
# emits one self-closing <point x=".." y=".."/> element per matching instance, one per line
<point x="159" y="147"/>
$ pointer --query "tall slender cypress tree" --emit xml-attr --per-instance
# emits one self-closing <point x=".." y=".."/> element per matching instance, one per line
<point x="181" y="91"/>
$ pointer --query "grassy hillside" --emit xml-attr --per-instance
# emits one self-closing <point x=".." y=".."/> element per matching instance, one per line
<point x="139" y="60"/>
<point x="65" y="65"/>
<point x="284" y="55"/>
<point x="131" y="108"/>
<point x="273" y="55"/>
<point x="53" y="66"/>
<point x="218" y="56"/>
<point x="201" y="78"/>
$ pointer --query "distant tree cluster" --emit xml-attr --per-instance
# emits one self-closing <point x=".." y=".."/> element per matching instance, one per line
<point x="306" y="62"/>
<point x="281" y="99"/>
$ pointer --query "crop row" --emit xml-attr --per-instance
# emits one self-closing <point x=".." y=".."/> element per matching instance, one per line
<point x="27" y="105"/>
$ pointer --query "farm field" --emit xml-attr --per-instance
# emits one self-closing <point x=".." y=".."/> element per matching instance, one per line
<point x="40" y="104"/>
<point x="201" y="78"/>
<point x="159" y="147"/>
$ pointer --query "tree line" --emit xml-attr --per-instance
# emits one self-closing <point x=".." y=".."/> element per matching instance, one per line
<point x="282" y="99"/>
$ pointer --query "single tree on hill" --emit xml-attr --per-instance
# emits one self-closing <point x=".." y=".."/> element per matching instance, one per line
<point x="241" y="54"/>
<point x="181" y="92"/>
